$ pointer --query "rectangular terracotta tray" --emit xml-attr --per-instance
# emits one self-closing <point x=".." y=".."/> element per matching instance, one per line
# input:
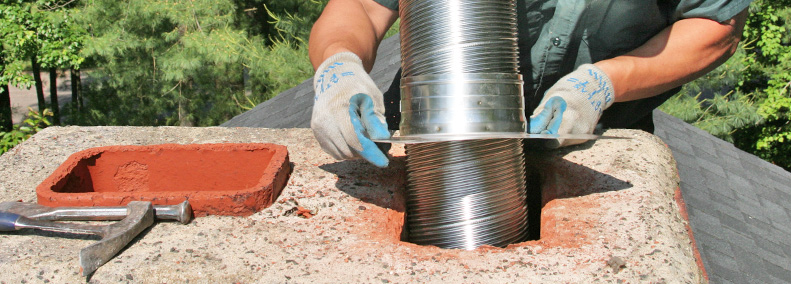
<point x="217" y="179"/>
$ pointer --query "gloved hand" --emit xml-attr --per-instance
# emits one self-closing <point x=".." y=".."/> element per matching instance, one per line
<point x="348" y="110"/>
<point x="573" y="105"/>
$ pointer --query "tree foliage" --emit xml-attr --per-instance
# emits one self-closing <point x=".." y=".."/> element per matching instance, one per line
<point x="200" y="62"/>
<point x="770" y="73"/>
<point x="746" y="100"/>
<point x="33" y="123"/>
<point x="18" y="36"/>
<point x="715" y="103"/>
<point x="60" y="39"/>
<point x="42" y="34"/>
<point x="157" y="62"/>
<point x="165" y="62"/>
<point x="283" y="62"/>
<point x="191" y="62"/>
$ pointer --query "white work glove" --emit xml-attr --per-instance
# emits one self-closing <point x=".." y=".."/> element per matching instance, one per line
<point x="348" y="110"/>
<point x="573" y="105"/>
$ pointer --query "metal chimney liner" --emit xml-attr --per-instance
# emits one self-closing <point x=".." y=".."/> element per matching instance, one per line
<point x="462" y="104"/>
<point x="460" y="76"/>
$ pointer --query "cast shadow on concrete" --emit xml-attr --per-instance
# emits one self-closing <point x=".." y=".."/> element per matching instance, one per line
<point x="49" y="234"/>
<point x="75" y="236"/>
<point x="131" y="243"/>
<point x="551" y="177"/>
<point x="383" y="187"/>
<point x="89" y="237"/>
<point x="548" y="177"/>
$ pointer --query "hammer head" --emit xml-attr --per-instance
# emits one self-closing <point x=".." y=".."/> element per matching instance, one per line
<point x="116" y="236"/>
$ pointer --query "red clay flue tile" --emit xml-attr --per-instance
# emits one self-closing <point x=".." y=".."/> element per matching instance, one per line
<point x="217" y="179"/>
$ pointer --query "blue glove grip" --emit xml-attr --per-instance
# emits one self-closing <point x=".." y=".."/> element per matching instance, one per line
<point x="549" y="119"/>
<point x="8" y="221"/>
<point x="364" y="120"/>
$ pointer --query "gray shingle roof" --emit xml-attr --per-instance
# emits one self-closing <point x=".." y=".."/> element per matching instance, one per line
<point x="739" y="205"/>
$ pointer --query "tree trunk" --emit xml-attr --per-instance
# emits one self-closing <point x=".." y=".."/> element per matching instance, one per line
<point x="76" y="89"/>
<point x="6" y="120"/>
<point x="42" y="103"/>
<point x="183" y="112"/>
<point x="5" y="109"/>
<point x="184" y="117"/>
<point x="246" y="81"/>
<point x="53" y="96"/>
<point x="76" y="97"/>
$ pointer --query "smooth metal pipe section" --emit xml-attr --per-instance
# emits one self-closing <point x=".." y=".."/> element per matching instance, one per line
<point x="464" y="194"/>
<point x="462" y="104"/>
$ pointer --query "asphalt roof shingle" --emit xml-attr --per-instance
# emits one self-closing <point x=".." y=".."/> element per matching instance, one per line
<point x="739" y="205"/>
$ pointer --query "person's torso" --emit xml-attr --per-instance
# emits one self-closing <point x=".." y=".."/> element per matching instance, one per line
<point x="556" y="36"/>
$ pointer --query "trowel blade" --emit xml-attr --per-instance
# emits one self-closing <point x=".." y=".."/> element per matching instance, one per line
<point x="412" y="139"/>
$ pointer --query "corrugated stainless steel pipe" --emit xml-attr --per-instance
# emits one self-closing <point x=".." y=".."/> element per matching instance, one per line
<point x="460" y="76"/>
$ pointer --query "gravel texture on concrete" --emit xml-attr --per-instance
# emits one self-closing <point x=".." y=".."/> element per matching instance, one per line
<point x="608" y="216"/>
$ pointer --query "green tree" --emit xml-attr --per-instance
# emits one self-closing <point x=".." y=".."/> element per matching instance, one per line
<point x="284" y="63"/>
<point x="191" y="62"/>
<point x="41" y="32"/>
<point x="6" y="120"/>
<point x="61" y="41"/>
<point x="15" y="44"/>
<point x="769" y="26"/>
<point x="20" y="31"/>
<point x="33" y="123"/>
<point x="162" y="62"/>
<point x="715" y="103"/>
<point x="746" y="101"/>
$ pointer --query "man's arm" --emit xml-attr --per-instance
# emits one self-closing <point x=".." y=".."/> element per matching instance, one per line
<point x="350" y="26"/>
<point x="348" y="109"/>
<point x="680" y="53"/>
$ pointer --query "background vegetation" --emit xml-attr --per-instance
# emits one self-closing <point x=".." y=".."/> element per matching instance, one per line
<point x="152" y="62"/>
<point x="746" y="101"/>
<point x="201" y="62"/>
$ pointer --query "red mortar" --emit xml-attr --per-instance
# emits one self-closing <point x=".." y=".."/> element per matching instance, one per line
<point x="565" y="222"/>
<point x="217" y="179"/>
<point x="682" y="205"/>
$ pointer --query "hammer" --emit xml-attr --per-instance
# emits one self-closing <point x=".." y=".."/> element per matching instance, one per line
<point x="114" y="237"/>
<point x="181" y="212"/>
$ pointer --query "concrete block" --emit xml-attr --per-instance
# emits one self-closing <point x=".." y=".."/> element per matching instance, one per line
<point x="342" y="221"/>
